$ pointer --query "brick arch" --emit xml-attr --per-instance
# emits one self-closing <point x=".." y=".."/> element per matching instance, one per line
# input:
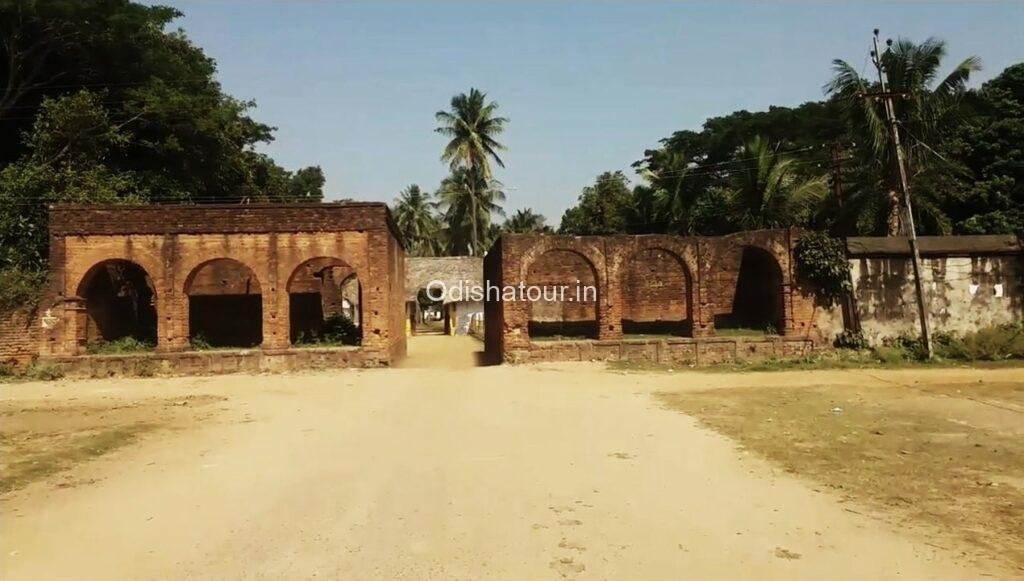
<point x="120" y="301"/>
<point x="578" y="314"/>
<point x="759" y="299"/>
<point x="657" y="288"/>
<point x="225" y="304"/>
<point x="315" y="296"/>
<point x="236" y="282"/>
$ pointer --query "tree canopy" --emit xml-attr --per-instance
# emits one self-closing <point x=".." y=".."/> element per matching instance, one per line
<point x="99" y="102"/>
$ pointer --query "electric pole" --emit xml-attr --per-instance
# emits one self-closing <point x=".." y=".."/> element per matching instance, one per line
<point x="908" y="223"/>
<point x="836" y="159"/>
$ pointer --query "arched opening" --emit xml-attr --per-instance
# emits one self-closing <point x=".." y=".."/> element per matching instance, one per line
<point x="656" y="295"/>
<point x="120" y="306"/>
<point x="757" y="305"/>
<point x="225" y="305"/>
<point x="325" y="303"/>
<point x="561" y="291"/>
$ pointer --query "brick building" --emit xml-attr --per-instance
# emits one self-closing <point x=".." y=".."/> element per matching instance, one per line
<point x="678" y="289"/>
<point x="230" y="276"/>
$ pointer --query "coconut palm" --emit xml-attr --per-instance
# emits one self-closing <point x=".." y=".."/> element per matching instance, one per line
<point x="769" y="192"/>
<point x="468" y="202"/>
<point x="416" y="220"/>
<point x="929" y="109"/>
<point x="526" y="221"/>
<point x="472" y="126"/>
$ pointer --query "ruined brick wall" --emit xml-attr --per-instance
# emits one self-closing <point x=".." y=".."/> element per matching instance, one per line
<point x="655" y="287"/>
<point x="688" y="281"/>
<point x="19" y="340"/>
<point x="272" y="242"/>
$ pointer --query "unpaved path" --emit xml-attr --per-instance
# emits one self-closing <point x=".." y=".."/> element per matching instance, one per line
<point x="501" y="472"/>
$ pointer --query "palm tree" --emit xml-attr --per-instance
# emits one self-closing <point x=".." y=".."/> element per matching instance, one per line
<point x="414" y="215"/>
<point x="931" y="107"/>
<point x="468" y="202"/>
<point x="526" y="221"/>
<point x="769" y="192"/>
<point x="472" y="127"/>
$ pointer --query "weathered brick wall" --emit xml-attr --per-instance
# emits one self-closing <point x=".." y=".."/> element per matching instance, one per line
<point x="173" y="244"/>
<point x="655" y="287"/>
<point x="691" y="280"/>
<point x="19" y="340"/>
<point x="558" y="275"/>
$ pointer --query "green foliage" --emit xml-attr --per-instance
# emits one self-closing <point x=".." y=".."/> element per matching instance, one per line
<point x="468" y="202"/>
<point x="850" y="339"/>
<point x="603" y="208"/>
<point x="20" y="288"/>
<point x="470" y="195"/>
<point x="988" y="344"/>
<point x="200" y="343"/>
<point x="6" y="369"/>
<point x="336" y="330"/>
<point x="101" y="105"/>
<point x="420" y="226"/>
<point x="901" y="347"/>
<point x="821" y="260"/>
<point x="118" y="346"/>
<point x="44" y="371"/>
<point x="526" y="221"/>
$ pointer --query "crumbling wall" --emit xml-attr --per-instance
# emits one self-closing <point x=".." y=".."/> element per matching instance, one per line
<point x="963" y="293"/>
<point x="687" y="281"/>
<point x="172" y="243"/>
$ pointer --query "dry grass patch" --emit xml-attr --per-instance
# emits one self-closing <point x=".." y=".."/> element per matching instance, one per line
<point x="41" y="441"/>
<point x="947" y="459"/>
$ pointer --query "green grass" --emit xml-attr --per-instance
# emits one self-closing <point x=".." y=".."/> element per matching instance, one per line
<point x="740" y="332"/>
<point x="882" y="357"/>
<point x="119" y="346"/>
<point x="22" y="472"/>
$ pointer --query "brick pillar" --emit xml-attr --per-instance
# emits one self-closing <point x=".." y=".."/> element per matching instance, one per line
<point x="273" y="285"/>
<point x="703" y="307"/>
<point x="374" y="294"/>
<point x="609" y="299"/>
<point x="172" y="321"/>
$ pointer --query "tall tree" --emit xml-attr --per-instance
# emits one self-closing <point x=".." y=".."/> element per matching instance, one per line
<point x="472" y="127"/>
<point x="415" y="217"/>
<point x="526" y="221"/>
<point x="603" y="208"/>
<point x="767" y="192"/>
<point x="469" y="202"/>
<point x="931" y="109"/>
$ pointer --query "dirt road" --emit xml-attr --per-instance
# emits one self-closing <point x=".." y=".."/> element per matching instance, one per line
<point x="503" y="473"/>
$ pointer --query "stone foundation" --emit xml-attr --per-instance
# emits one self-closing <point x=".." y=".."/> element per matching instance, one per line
<point x="214" y="362"/>
<point x="677" y="351"/>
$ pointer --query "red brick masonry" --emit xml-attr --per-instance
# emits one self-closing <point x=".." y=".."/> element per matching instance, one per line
<point x="686" y="281"/>
<point x="273" y="242"/>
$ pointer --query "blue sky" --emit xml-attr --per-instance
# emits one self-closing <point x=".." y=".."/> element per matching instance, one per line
<point x="353" y="87"/>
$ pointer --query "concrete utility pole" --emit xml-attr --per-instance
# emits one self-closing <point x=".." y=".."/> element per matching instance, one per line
<point x="908" y="224"/>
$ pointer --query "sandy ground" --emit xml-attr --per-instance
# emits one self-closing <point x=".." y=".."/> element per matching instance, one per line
<point x="549" y="472"/>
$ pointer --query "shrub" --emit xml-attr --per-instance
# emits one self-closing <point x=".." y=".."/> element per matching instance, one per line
<point x="821" y="260"/>
<point x="851" y="340"/>
<point x="987" y="344"/>
<point x="907" y="346"/>
<point x="200" y="343"/>
<point x="44" y="371"/>
<point x="122" y="345"/>
<point x="6" y="369"/>
<point x="335" y="330"/>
